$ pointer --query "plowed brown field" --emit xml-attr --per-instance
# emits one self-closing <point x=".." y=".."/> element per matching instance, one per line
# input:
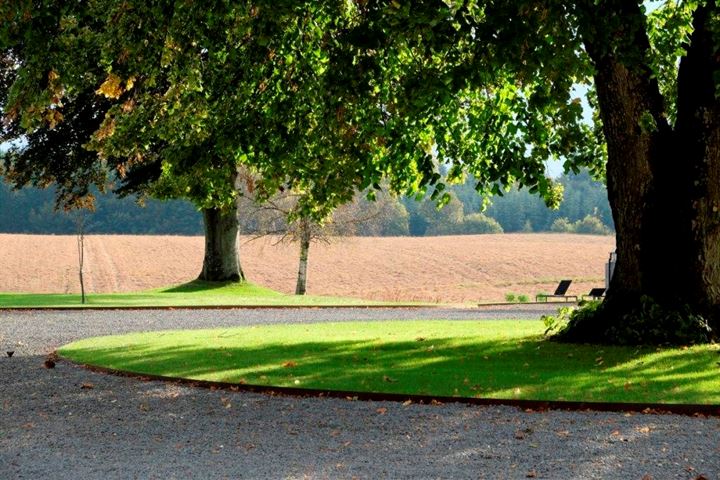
<point x="436" y="269"/>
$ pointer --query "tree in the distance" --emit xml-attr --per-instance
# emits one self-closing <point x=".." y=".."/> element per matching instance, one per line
<point x="279" y="217"/>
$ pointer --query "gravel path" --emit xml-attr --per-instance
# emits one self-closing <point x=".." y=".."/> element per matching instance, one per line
<point x="51" y="427"/>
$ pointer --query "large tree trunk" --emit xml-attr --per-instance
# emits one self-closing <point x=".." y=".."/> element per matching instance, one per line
<point x="304" y="248"/>
<point x="698" y="136"/>
<point x="663" y="183"/>
<point x="221" y="262"/>
<point x="635" y="126"/>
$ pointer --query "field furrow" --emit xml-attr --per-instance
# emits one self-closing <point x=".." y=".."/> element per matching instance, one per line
<point x="444" y="269"/>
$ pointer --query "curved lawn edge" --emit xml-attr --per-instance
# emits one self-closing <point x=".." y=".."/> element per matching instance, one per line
<point x="529" y="406"/>
<point x="504" y="360"/>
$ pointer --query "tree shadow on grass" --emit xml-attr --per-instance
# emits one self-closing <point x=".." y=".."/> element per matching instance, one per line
<point x="197" y="286"/>
<point x="520" y="368"/>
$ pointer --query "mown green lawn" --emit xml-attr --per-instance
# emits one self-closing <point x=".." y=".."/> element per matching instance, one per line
<point x="196" y="293"/>
<point x="506" y="359"/>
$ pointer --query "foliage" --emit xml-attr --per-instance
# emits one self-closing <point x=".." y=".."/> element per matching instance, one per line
<point x="562" y="225"/>
<point x="477" y="223"/>
<point x="522" y="298"/>
<point x="581" y="196"/>
<point x="510" y="297"/>
<point x="590" y="225"/>
<point x="506" y="359"/>
<point x="177" y="95"/>
<point x="383" y="216"/>
<point x="557" y="323"/>
<point x="32" y="211"/>
<point x="645" y="323"/>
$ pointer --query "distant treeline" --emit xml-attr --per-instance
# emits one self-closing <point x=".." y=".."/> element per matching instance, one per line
<point x="584" y="209"/>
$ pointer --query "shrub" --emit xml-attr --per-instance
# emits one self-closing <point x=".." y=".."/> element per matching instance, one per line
<point x="591" y="225"/>
<point x="523" y="298"/>
<point x="554" y="324"/>
<point x="510" y="297"/>
<point x="476" y="223"/>
<point x="645" y="323"/>
<point x="562" y="225"/>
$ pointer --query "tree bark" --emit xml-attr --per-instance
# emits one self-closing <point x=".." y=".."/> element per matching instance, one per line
<point x="663" y="182"/>
<point x="304" y="248"/>
<point x="698" y="136"/>
<point x="630" y="103"/>
<point x="221" y="262"/>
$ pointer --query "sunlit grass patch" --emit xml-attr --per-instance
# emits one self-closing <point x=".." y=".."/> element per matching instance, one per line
<point x="196" y="293"/>
<point x="486" y="359"/>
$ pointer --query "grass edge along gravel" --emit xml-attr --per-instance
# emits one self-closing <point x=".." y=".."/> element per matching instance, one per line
<point x="503" y="359"/>
<point x="192" y="294"/>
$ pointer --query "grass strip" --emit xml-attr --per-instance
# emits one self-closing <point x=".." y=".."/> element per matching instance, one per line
<point x="196" y="293"/>
<point x="506" y="359"/>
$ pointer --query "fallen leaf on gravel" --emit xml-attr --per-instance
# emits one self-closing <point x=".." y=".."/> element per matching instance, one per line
<point x="647" y="477"/>
<point x="531" y="474"/>
<point x="519" y="435"/>
<point x="290" y="364"/>
<point x="435" y="402"/>
<point x="87" y="386"/>
<point x="615" y="433"/>
<point x="381" y="410"/>
<point x="407" y="402"/>
<point x="643" y="429"/>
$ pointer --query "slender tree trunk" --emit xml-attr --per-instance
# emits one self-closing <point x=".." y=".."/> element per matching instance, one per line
<point x="221" y="262"/>
<point x="304" y="248"/>
<point x="81" y="254"/>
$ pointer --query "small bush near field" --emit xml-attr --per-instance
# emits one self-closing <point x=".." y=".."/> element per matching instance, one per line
<point x="590" y="225"/>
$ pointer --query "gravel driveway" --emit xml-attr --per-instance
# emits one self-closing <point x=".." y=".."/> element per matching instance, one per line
<point x="52" y="427"/>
